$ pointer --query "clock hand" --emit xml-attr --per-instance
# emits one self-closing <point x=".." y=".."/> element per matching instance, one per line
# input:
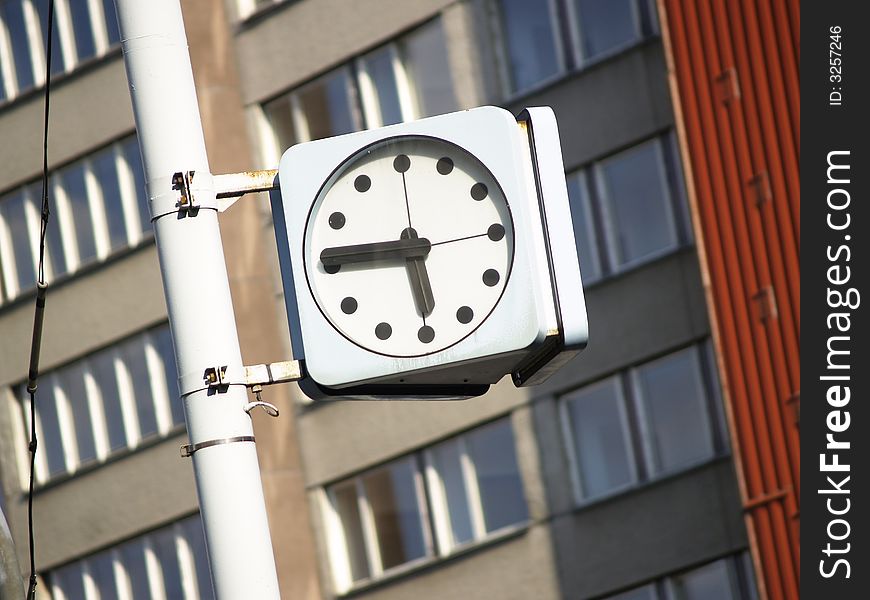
<point x="360" y="253"/>
<point x="419" y="278"/>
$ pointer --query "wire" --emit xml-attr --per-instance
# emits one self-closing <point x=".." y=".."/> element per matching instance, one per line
<point x="39" y="313"/>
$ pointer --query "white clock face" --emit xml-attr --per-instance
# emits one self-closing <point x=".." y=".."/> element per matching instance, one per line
<point x="409" y="246"/>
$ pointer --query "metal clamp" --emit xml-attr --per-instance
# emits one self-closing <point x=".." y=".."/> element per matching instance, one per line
<point x="216" y="377"/>
<point x="182" y="181"/>
<point x="187" y="450"/>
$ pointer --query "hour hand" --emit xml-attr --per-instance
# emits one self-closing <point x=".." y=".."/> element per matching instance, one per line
<point x="419" y="278"/>
<point x="360" y="253"/>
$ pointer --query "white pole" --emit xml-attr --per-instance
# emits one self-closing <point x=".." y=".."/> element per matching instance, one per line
<point x="11" y="584"/>
<point x="198" y="299"/>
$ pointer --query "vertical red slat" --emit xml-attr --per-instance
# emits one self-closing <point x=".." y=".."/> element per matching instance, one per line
<point x="733" y="69"/>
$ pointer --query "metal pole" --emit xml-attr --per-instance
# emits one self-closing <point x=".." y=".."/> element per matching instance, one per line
<point x="11" y="584"/>
<point x="198" y="299"/>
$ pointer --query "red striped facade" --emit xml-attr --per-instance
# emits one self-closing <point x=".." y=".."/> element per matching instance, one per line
<point x="733" y="67"/>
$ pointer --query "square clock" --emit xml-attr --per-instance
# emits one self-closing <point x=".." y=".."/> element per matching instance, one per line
<point x="429" y="259"/>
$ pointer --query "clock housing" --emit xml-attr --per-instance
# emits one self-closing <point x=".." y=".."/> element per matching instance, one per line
<point x="515" y="321"/>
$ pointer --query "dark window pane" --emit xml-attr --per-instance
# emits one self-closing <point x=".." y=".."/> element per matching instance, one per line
<point x="163" y="345"/>
<point x="111" y="22"/>
<point x="639" y="202"/>
<point x="50" y="442"/>
<point x="584" y="228"/>
<point x="163" y="543"/>
<point x="130" y="149"/>
<point x="12" y="211"/>
<point x="55" y="254"/>
<point x="710" y="582"/>
<point x="103" y="368"/>
<point x="106" y="173"/>
<point x="600" y="444"/>
<point x="380" y="69"/>
<point x="531" y="42"/>
<point x="673" y="398"/>
<point x="81" y="23"/>
<point x="425" y="60"/>
<point x="133" y="356"/>
<point x="447" y="462"/>
<point x="192" y="530"/>
<point x="491" y="449"/>
<point x="12" y="13"/>
<point x="605" y="25"/>
<point x="73" y="181"/>
<point x="56" y="49"/>
<point x="327" y="106"/>
<point x="347" y="507"/>
<point x="133" y="558"/>
<point x="280" y="115"/>
<point x="70" y="581"/>
<point x="392" y="495"/>
<point x="72" y="382"/>
<point x="102" y="572"/>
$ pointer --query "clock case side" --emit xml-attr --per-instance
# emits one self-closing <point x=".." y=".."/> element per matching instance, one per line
<point x="570" y="332"/>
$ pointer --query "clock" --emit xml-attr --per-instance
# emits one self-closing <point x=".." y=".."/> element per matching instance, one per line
<point x="408" y="246"/>
<point x="429" y="259"/>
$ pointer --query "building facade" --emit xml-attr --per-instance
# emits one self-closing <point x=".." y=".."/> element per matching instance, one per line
<point x="615" y="479"/>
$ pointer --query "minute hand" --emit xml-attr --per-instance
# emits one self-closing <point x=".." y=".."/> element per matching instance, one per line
<point x="360" y="253"/>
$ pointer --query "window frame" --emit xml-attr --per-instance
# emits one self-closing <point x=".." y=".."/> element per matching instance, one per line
<point x="635" y="422"/>
<point x="432" y="506"/>
<point x="578" y="40"/>
<point x="651" y="455"/>
<point x="134" y="438"/>
<point x="362" y="95"/>
<point x="368" y="528"/>
<point x="97" y="204"/>
<point x="504" y="67"/>
<point x="615" y="264"/>
<point x="630" y="443"/>
<point x="567" y="41"/>
<point x="600" y="217"/>
<point x="66" y="34"/>
<point x="185" y="561"/>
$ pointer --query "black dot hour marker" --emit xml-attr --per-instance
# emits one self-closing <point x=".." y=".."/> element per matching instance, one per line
<point x="336" y="220"/>
<point x="495" y="232"/>
<point x="444" y="166"/>
<point x="383" y="331"/>
<point x="349" y="305"/>
<point x="464" y="314"/>
<point x="426" y="334"/>
<point x="479" y="191"/>
<point x="362" y="183"/>
<point x="332" y="269"/>
<point x="402" y="163"/>
<point x="491" y="277"/>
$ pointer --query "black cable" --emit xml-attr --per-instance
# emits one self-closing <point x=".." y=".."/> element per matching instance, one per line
<point x="36" y="341"/>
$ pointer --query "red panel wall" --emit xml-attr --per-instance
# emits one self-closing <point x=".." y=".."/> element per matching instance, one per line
<point x="734" y="81"/>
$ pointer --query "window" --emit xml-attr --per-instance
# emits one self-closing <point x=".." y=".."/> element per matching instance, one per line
<point x="655" y="419"/>
<point x="110" y="401"/>
<point x="167" y="563"/>
<point x="544" y="40"/>
<point x="401" y="81"/>
<point x="381" y="519"/>
<point x="83" y="29"/>
<point x="729" y="578"/>
<point x="98" y="207"/>
<point x="628" y="209"/>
